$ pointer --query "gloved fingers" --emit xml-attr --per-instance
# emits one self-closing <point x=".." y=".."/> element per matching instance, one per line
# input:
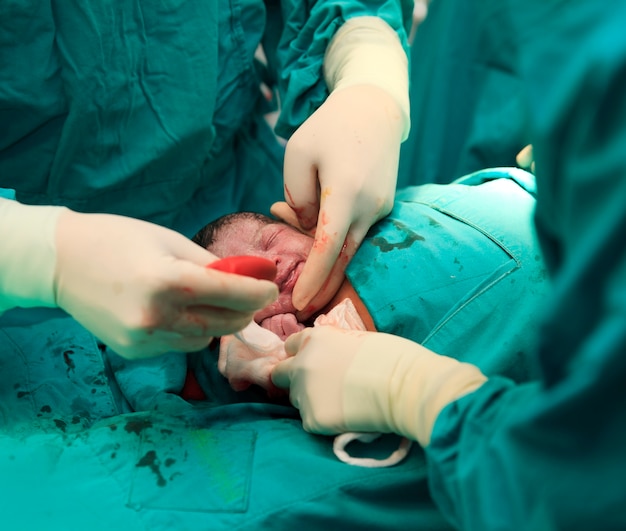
<point x="200" y="320"/>
<point x="525" y="158"/>
<point x="190" y="344"/>
<point x="314" y="375"/>
<point x="283" y="371"/>
<point x="284" y="212"/>
<point x="328" y="289"/>
<point x="189" y="251"/>
<point x="295" y="342"/>
<point x="282" y="374"/>
<point x="302" y="191"/>
<point x="222" y="360"/>
<point x="165" y="327"/>
<point x="149" y="344"/>
<point x="324" y="270"/>
<point x="188" y="320"/>
<point x="329" y="243"/>
<point x="203" y="286"/>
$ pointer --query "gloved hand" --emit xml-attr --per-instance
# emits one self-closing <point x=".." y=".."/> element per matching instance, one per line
<point x="145" y="290"/>
<point x="341" y="165"/>
<point x="420" y="10"/>
<point x="370" y="382"/>
<point x="525" y="159"/>
<point x="142" y="289"/>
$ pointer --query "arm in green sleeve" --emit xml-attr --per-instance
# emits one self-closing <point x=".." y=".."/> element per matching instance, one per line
<point x="308" y="29"/>
<point x="550" y="455"/>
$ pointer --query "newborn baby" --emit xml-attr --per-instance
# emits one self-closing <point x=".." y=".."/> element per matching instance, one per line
<point x="247" y="233"/>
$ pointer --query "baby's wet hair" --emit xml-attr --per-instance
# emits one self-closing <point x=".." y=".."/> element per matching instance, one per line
<point x="208" y="234"/>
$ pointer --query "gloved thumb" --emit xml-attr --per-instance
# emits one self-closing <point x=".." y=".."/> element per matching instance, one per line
<point x="282" y="374"/>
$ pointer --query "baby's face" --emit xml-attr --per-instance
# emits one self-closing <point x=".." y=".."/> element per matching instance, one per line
<point x="280" y="243"/>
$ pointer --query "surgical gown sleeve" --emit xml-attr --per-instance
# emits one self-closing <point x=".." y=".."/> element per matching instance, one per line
<point x="308" y="27"/>
<point x="550" y="455"/>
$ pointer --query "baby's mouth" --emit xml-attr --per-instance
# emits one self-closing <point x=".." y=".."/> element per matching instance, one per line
<point x="291" y="278"/>
<point x="283" y="305"/>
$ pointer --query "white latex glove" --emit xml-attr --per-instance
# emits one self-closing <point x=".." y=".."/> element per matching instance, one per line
<point x="341" y="165"/>
<point x="27" y="255"/>
<point x="525" y="159"/>
<point x="344" y="381"/>
<point x="142" y="289"/>
<point x="420" y="10"/>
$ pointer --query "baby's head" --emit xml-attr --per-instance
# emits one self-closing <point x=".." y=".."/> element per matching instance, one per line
<point x="247" y="233"/>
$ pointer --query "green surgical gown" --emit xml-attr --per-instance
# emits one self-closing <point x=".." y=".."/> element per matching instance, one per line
<point x="466" y="99"/>
<point x="550" y="455"/>
<point x="153" y="109"/>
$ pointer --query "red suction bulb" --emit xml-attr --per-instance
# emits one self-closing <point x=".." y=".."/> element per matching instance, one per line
<point x="249" y="266"/>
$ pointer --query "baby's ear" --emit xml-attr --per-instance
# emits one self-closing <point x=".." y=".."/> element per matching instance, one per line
<point x="284" y="212"/>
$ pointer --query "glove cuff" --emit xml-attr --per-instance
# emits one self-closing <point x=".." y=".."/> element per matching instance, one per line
<point x="430" y="384"/>
<point x="406" y="386"/>
<point x="28" y="257"/>
<point x="367" y="51"/>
